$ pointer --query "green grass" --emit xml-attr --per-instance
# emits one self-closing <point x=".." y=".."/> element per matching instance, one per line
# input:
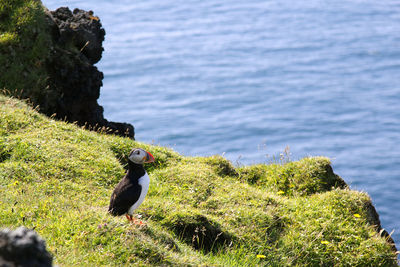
<point x="25" y="44"/>
<point x="200" y="211"/>
<point x="57" y="178"/>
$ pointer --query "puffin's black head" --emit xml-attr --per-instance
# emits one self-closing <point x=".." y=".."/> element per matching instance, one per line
<point x="140" y="156"/>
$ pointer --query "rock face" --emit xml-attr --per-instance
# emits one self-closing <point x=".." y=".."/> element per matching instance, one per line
<point x="23" y="248"/>
<point x="373" y="218"/>
<point x="74" y="82"/>
<point x="48" y="57"/>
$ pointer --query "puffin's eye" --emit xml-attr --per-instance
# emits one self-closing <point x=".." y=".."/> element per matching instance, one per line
<point x="137" y="152"/>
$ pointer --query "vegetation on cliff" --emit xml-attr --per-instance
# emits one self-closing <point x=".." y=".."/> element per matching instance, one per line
<point x="49" y="57"/>
<point x="24" y="47"/>
<point x="57" y="178"/>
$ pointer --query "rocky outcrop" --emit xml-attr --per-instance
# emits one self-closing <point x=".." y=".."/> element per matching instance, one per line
<point x="23" y="247"/>
<point x="373" y="218"/>
<point x="74" y="82"/>
<point x="48" y="57"/>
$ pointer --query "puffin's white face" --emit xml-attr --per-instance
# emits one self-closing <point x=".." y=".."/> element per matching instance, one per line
<point x="140" y="156"/>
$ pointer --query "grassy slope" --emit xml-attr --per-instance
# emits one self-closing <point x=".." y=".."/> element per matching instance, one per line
<point x="25" y="44"/>
<point x="57" y="178"/>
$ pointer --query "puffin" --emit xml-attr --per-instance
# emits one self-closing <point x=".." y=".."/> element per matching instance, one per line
<point x="132" y="189"/>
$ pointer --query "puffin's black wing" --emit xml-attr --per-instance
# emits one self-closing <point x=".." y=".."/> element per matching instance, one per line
<point x="124" y="196"/>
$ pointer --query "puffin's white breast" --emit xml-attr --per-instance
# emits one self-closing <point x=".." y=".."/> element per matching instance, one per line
<point x="144" y="181"/>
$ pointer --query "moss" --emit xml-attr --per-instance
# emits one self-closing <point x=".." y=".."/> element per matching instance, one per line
<point x="304" y="177"/>
<point x="57" y="178"/>
<point x="8" y="38"/>
<point x="199" y="231"/>
<point x="4" y="153"/>
<point x="24" y="46"/>
<point x="221" y="165"/>
<point x="322" y="231"/>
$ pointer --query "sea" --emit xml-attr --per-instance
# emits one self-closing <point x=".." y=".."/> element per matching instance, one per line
<point x="261" y="81"/>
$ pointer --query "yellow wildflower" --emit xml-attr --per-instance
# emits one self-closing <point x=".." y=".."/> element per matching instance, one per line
<point x="357" y="215"/>
<point x="324" y="242"/>
<point x="260" y="256"/>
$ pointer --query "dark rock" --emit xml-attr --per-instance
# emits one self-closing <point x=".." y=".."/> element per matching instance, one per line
<point x="74" y="83"/>
<point x="373" y="218"/>
<point x="82" y="30"/>
<point x="23" y="247"/>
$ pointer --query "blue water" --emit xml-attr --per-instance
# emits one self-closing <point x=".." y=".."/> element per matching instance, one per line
<point x="249" y="78"/>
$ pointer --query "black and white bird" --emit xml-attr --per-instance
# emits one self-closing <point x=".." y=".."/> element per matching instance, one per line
<point x="132" y="189"/>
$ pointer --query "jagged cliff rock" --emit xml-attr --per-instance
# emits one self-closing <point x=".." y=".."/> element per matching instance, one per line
<point x="373" y="218"/>
<point x="48" y="57"/>
<point x="74" y="81"/>
<point x="24" y="248"/>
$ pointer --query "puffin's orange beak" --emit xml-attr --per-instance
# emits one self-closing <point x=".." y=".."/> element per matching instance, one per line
<point x="149" y="157"/>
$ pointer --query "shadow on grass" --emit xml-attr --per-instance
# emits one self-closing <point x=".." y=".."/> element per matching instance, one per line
<point x="200" y="232"/>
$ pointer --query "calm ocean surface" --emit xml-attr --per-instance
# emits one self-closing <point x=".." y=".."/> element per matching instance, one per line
<point x="250" y="78"/>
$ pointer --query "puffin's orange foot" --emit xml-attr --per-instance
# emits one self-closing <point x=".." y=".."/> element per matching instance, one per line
<point x="134" y="220"/>
<point x="139" y="222"/>
<point x="129" y="217"/>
